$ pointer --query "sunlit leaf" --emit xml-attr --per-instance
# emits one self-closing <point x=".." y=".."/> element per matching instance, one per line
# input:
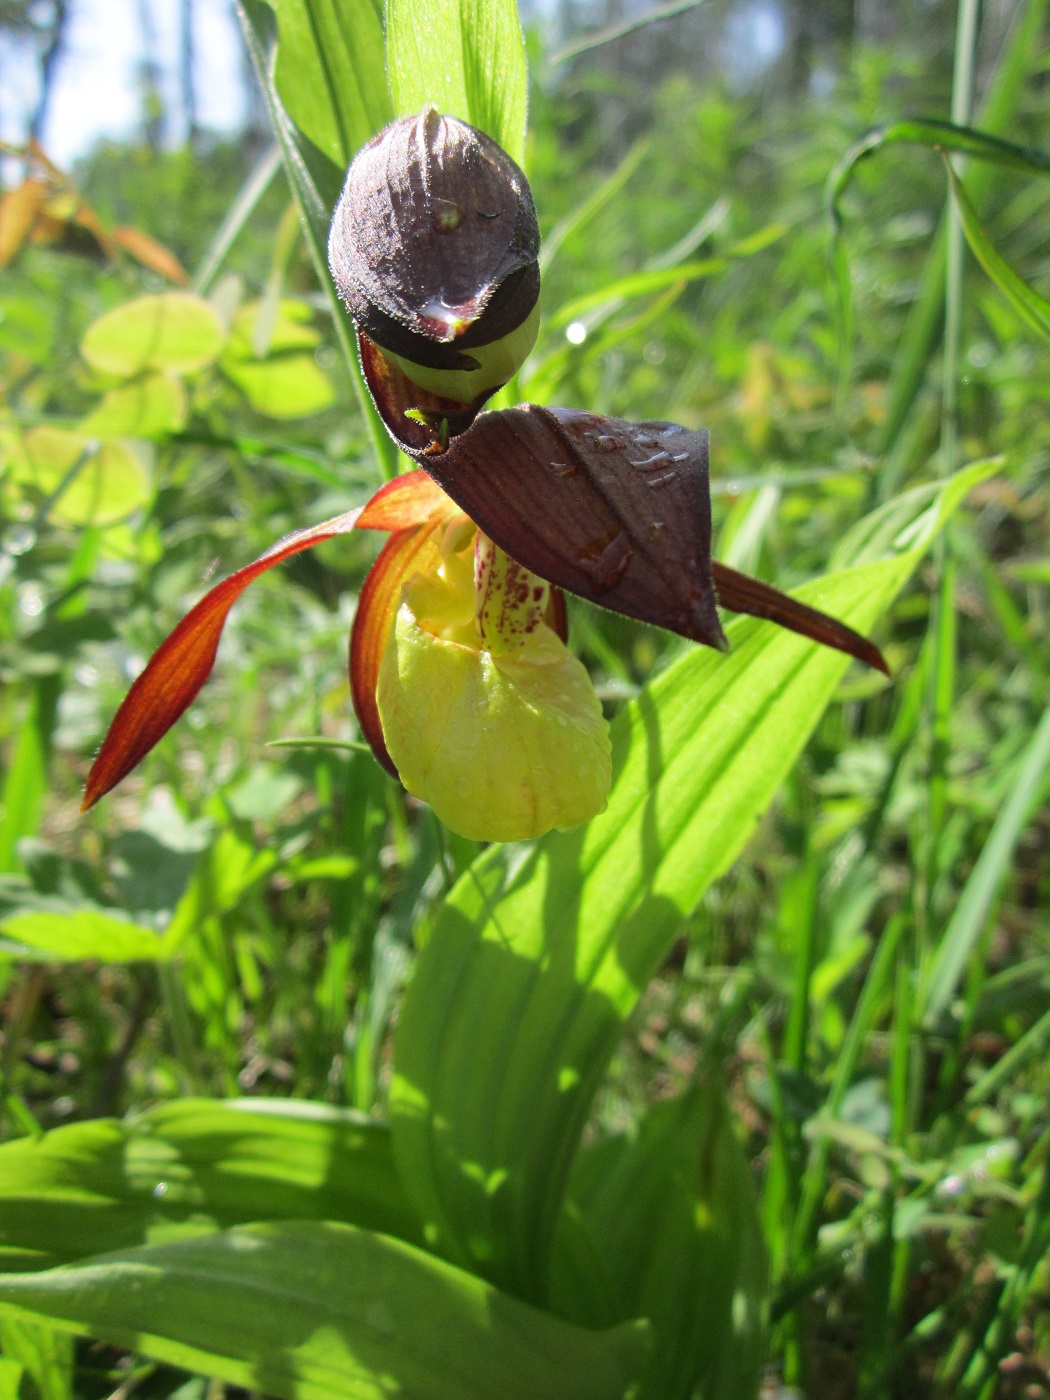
<point x="539" y="955"/>
<point x="88" y="483"/>
<point x="18" y="210"/>
<point x="193" y="1166"/>
<point x="77" y="936"/>
<point x="151" y="254"/>
<point x="170" y="331"/>
<point x="284" y="386"/>
<point x="464" y="57"/>
<point x="308" y="1310"/>
<point x="330" y="72"/>
<point x="292" y="329"/>
<point x="147" y="407"/>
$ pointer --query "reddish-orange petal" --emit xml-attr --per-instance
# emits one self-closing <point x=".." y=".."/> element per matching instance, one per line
<point x="407" y="551"/>
<point x="412" y="499"/>
<point x="181" y="664"/>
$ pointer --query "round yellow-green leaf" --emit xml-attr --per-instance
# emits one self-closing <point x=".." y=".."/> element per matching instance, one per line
<point x="146" y="407"/>
<point x="502" y="747"/>
<point x="288" y="386"/>
<point x="291" y="328"/>
<point x="108" y="483"/>
<point x="171" y="331"/>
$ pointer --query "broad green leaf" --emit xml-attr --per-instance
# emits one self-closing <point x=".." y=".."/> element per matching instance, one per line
<point x="464" y="57"/>
<point x="147" y="407"/>
<point x="79" y="935"/>
<point x="170" y="331"/>
<point x="310" y="1310"/>
<point x="88" y="483"/>
<point x="672" y="1212"/>
<point x="285" y="386"/>
<point x="193" y="1167"/>
<point x="540" y="953"/>
<point x="1033" y="309"/>
<point x="331" y="72"/>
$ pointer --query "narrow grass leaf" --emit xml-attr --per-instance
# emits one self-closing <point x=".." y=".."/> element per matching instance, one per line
<point x="1033" y="309"/>
<point x="975" y="902"/>
<point x="308" y="1310"/>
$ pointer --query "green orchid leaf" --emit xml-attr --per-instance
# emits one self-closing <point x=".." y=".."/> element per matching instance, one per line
<point x="316" y="155"/>
<point x="193" y="1167"/>
<point x="464" y="57"/>
<point x="330" y="72"/>
<point x="672" y="1212"/>
<point x="541" y="952"/>
<point x="307" y="1310"/>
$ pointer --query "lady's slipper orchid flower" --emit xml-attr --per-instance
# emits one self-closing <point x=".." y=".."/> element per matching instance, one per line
<point x="459" y="671"/>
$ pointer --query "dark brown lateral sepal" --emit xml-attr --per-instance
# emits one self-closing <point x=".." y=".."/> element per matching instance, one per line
<point x="744" y="594"/>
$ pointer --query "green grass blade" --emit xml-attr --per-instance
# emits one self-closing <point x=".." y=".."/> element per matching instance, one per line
<point x="965" y="925"/>
<point x="657" y="279"/>
<point x="1033" y="309"/>
<point x="238" y="214"/>
<point x="540" y="953"/>
<point x="621" y="30"/>
<point x="309" y="1310"/>
<point x="466" y="58"/>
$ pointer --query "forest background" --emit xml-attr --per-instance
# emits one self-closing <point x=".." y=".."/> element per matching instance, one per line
<point x="870" y="981"/>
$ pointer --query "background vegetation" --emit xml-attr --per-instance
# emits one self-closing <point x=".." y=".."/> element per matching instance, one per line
<point x="871" y="979"/>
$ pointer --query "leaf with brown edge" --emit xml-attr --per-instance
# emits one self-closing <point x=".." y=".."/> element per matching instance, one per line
<point x="407" y="552"/>
<point x="412" y="499"/>
<point x="617" y="512"/>
<point x="179" y="667"/>
<point x="18" y="213"/>
<point x="744" y="594"/>
<point x="151" y="254"/>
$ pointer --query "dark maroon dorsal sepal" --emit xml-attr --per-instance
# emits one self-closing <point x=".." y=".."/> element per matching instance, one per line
<point x="618" y="513"/>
